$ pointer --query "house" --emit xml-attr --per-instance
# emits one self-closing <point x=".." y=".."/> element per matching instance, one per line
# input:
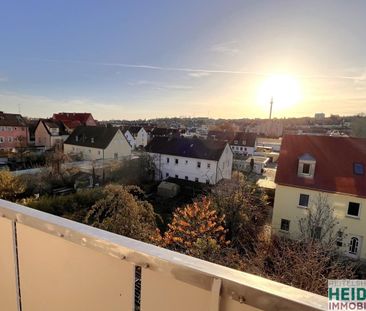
<point x="72" y="120"/>
<point x="13" y="131"/>
<point x="131" y="140"/>
<point x="241" y="143"/>
<point x="204" y="161"/>
<point x="96" y="143"/>
<point x="136" y="136"/>
<point x="49" y="133"/>
<point x="333" y="167"/>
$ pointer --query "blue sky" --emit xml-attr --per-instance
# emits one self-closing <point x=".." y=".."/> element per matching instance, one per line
<point x="145" y="59"/>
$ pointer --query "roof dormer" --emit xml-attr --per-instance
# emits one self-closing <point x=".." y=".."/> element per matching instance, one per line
<point x="306" y="167"/>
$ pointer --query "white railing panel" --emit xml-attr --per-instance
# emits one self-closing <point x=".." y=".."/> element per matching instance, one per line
<point x="8" y="283"/>
<point x="163" y="293"/>
<point x="58" y="275"/>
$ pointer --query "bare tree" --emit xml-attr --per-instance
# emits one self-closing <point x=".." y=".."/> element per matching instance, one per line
<point x="320" y="224"/>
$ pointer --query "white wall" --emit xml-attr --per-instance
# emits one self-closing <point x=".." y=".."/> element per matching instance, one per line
<point x="141" y="138"/>
<point x="130" y="139"/>
<point x="225" y="164"/>
<point x="210" y="170"/>
<point x="185" y="167"/>
<point x="240" y="149"/>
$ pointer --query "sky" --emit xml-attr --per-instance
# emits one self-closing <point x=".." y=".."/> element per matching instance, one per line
<point x="148" y="59"/>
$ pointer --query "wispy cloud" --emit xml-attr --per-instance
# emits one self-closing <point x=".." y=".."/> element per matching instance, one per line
<point x="160" y="85"/>
<point x="202" y="71"/>
<point x="198" y="74"/>
<point x="229" y="48"/>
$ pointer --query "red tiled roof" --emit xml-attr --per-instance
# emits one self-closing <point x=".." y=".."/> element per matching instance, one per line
<point x="335" y="158"/>
<point x="72" y="119"/>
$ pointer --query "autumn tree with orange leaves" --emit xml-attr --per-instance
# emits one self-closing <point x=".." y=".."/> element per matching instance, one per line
<point x="196" y="230"/>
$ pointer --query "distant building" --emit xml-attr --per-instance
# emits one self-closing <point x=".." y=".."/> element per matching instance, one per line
<point x="72" y="120"/>
<point x="49" y="133"/>
<point x="319" y="116"/>
<point x="13" y="131"/>
<point x="96" y="143"/>
<point x="131" y="140"/>
<point x="333" y="167"/>
<point x="204" y="161"/>
<point x="241" y="143"/>
<point x="164" y="132"/>
<point x="136" y="136"/>
<point x="274" y="144"/>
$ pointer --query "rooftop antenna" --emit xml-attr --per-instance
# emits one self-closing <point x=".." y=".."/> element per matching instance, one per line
<point x="270" y="109"/>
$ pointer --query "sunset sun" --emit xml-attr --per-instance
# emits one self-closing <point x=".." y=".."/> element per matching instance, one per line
<point x="284" y="89"/>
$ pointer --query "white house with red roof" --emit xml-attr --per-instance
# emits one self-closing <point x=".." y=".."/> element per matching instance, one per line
<point x="332" y="167"/>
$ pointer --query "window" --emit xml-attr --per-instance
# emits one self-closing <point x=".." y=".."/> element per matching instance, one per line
<point x="353" y="246"/>
<point x="186" y="161"/>
<point x="198" y="164"/>
<point x="208" y="165"/>
<point x="98" y="152"/>
<point x="207" y="181"/>
<point x="304" y="200"/>
<point x="235" y="142"/>
<point x="92" y="140"/>
<point x="176" y="176"/>
<point x="316" y="233"/>
<point x="285" y="225"/>
<point x="166" y="174"/>
<point x="353" y="209"/>
<point x="167" y="160"/>
<point x="176" y="161"/>
<point x="306" y="168"/>
<point x="186" y="177"/>
<point x="241" y="148"/>
<point x="358" y="169"/>
<point x="196" y="179"/>
<point x="339" y="239"/>
<point x="1" y="140"/>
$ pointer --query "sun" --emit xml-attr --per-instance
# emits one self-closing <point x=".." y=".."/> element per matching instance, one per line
<point x="283" y="89"/>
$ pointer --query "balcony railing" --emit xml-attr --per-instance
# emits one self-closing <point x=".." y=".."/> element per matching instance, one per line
<point x="48" y="263"/>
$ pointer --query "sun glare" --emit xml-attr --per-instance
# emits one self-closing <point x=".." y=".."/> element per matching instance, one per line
<point x="284" y="89"/>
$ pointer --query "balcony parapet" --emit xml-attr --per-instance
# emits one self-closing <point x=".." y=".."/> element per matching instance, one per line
<point x="51" y="263"/>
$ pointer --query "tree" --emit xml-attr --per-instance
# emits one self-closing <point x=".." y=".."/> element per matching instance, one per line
<point x="251" y="164"/>
<point x="122" y="211"/>
<point x="320" y="223"/>
<point x="358" y="127"/>
<point x="195" y="228"/>
<point x="300" y="264"/>
<point x="11" y="187"/>
<point x="245" y="208"/>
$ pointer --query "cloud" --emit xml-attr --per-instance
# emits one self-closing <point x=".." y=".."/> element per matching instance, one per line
<point x="229" y="48"/>
<point x="198" y="74"/>
<point x="160" y="85"/>
<point x="203" y="71"/>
